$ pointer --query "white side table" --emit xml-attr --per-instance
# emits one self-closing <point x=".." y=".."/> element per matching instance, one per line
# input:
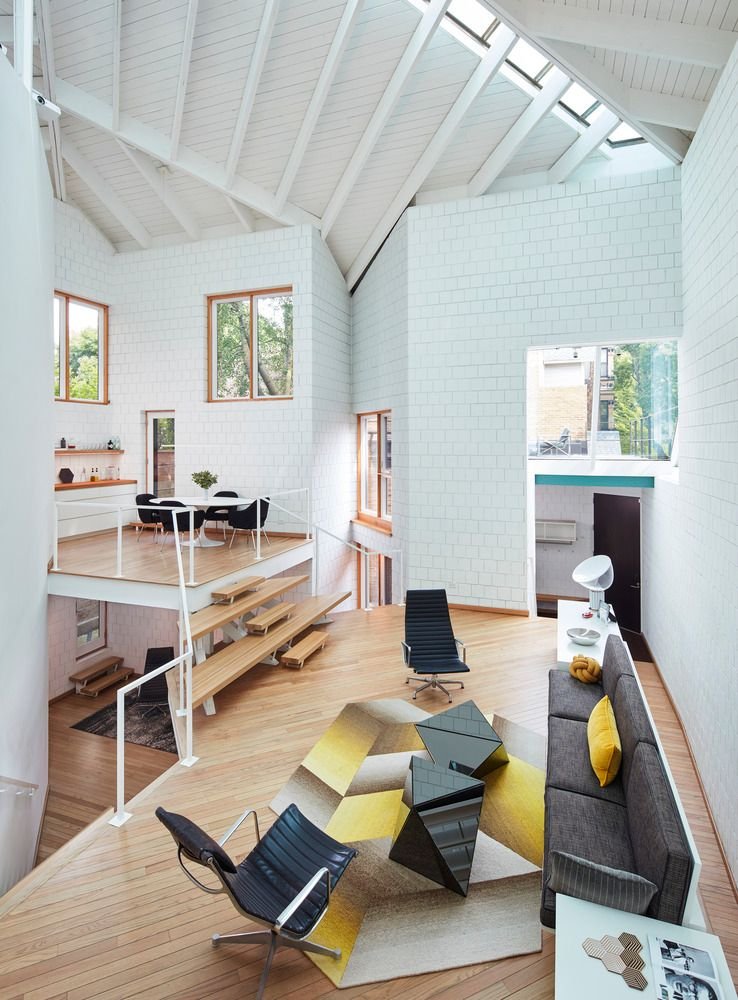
<point x="578" y="975"/>
<point x="570" y="616"/>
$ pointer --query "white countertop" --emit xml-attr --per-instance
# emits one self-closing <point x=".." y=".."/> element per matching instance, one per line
<point x="570" y="616"/>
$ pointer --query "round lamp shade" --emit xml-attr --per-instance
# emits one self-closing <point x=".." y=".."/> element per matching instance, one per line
<point x="595" y="575"/>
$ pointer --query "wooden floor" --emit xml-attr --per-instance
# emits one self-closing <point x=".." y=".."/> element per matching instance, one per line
<point x="151" y="562"/>
<point x="114" y="917"/>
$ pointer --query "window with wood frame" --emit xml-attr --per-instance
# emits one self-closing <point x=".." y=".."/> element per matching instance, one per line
<point x="92" y="626"/>
<point x="80" y="350"/>
<point x="250" y="345"/>
<point x="375" y="468"/>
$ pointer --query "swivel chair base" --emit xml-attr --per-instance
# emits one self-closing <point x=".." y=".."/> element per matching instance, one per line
<point x="275" y="941"/>
<point x="433" y="682"/>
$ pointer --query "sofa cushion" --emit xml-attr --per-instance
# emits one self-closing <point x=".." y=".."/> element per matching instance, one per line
<point x="604" y="742"/>
<point x="632" y="721"/>
<point x="659" y="844"/>
<point x="568" y="766"/>
<point x="570" y="699"/>
<point x="592" y="828"/>
<point x="613" y="887"/>
<point x="616" y="663"/>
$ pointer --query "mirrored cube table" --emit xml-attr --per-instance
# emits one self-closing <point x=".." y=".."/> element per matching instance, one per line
<point x="437" y="824"/>
<point x="462" y="739"/>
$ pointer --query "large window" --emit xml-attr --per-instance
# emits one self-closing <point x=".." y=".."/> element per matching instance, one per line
<point x="609" y="401"/>
<point x="80" y="350"/>
<point x="375" y="467"/>
<point x="91" y="626"/>
<point x="250" y="350"/>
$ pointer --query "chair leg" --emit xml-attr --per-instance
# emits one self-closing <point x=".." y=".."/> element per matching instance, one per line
<point x="232" y="537"/>
<point x="315" y="949"/>
<point x="248" y="937"/>
<point x="274" y="944"/>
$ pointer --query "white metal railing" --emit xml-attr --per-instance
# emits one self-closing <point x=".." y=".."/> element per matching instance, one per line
<point x="17" y="787"/>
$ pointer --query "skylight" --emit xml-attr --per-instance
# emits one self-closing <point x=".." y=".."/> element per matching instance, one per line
<point x="624" y="134"/>
<point x="528" y="60"/>
<point x="580" y="101"/>
<point x="473" y="16"/>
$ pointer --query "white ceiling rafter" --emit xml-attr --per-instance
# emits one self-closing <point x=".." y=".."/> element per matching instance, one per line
<point x="325" y="80"/>
<point x="23" y="41"/>
<point x="382" y="113"/>
<point x="6" y="30"/>
<point x="250" y="87"/>
<point x="694" y="44"/>
<point x="134" y="133"/>
<point x="104" y="193"/>
<point x="502" y="42"/>
<point x="117" y="25"/>
<point x="580" y="149"/>
<point x="184" y="72"/>
<point x="156" y="178"/>
<point x="594" y="76"/>
<point x="244" y="216"/>
<point x="554" y="86"/>
<point x="43" y="20"/>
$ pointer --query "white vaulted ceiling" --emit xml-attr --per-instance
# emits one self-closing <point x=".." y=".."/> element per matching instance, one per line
<point x="191" y="118"/>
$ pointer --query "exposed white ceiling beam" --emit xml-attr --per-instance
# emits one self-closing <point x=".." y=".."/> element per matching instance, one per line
<point x="555" y="84"/>
<point x="580" y="149"/>
<point x="103" y="191"/>
<point x="325" y="81"/>
<point x="156" y="178"/>
<point x="184" y="72"/>
<point x="134" y="133"/>
<point x="117" y="23"/>
<point x="590" y="74"/>
<point x="6" y="30"/>
<point x="689" y="43"/>
<point x="23" y="41"/>
<point x="383" y="111"/>
<point x="43" y="20"/>
<point x="503" y="40"/>
<point x="250" y="87"/>
<point x="243" y="214"/>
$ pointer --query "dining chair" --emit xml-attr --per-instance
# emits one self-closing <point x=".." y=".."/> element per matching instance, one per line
<point x="183" y="518"/>
<point x="247" y="520"/>
<point x="147" y="519"/>
<point x="220" y="514"/>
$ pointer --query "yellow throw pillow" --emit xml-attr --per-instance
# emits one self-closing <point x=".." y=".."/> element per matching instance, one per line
<point x="605" y="751"/>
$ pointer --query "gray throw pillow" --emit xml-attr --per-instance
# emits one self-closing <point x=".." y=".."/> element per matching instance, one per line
<point x="612" y="887"/>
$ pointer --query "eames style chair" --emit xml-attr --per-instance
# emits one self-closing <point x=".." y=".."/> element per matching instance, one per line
<point x="560" y="447"/>
<point x="220" y="514"/>
<point x="147" y="518"/>
<point x="246" y="520"/>
<point x="183" y="519"/>
<point x="154" y="695"/>
<point x="284" y="883"/>
<point x="430" y="648"/>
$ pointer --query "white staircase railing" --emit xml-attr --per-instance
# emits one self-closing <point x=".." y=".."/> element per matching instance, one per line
<point x="15" y="786"/>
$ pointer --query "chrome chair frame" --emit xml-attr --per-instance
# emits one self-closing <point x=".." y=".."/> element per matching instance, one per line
<point x="432" y="680"/>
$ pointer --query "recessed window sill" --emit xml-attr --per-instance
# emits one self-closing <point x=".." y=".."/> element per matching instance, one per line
<point x="374" y="523"/>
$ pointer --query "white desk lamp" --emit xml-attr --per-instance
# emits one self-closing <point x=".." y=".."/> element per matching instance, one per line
<point x="595" y="575"/>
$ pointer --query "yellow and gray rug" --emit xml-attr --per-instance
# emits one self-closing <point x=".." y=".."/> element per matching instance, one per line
<point x="388" y="920"/>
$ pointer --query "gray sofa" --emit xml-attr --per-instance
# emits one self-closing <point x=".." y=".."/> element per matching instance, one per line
<point x="633" y="824"/>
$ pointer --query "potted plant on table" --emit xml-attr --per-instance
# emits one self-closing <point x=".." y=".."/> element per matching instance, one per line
<point x="204" y="479"/>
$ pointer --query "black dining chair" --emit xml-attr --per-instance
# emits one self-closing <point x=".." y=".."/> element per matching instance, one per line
<point x="248" y="520"/>
<point x="220" y="514"/>
<point x="183" y="518"/>
<point x="147" y="519"/>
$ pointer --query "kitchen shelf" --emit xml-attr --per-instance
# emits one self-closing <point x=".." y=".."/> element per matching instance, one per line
<point x="85" y="484"/>
<point x="560" y="532"/>
<point x="89" y="451"/>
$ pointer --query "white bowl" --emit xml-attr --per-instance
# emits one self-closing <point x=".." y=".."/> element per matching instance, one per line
<point x="583" y="636"/>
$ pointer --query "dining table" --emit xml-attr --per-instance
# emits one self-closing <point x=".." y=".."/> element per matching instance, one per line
<point x="202" y="503"/>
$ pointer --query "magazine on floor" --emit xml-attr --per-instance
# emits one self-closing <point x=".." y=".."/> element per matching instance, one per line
<point x="682" y="972"/>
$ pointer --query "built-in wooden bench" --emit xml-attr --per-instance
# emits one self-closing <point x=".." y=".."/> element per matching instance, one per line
<point x="228" y="593"/>
<point x="221" y="669"/>
<point x="216" y="615"/>
<point x="297" y="654"/>
<point x="100" y="674"/>
<point x="271" y="616"/>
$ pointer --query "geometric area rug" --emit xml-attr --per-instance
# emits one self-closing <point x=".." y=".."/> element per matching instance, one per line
<point x="389" y="921"/>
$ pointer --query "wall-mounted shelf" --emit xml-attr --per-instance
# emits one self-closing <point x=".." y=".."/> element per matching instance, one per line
<point x="87" y="485"/>
<point x="89" y="451"/>
<point x="561" y="532"/>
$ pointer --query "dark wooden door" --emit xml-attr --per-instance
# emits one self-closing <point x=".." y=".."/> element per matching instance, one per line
<point x="617" y="534"/>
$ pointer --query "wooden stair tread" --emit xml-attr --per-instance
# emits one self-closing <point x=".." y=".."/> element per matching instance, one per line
<point x="215" y="615"/>
<point x="296" y="655"/>
<point x="106" y="680"/>
<point x="233" y="590"/>
<point x="92" y="670"/>
<point x="221" y="669"/>
<point x="269" y="617"/>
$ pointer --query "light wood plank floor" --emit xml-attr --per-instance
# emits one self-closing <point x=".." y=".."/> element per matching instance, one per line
<point x="118" y="919"/>
<point x="154" y="562"/>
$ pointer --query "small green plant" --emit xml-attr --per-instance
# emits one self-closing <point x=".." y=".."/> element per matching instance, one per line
<point x="204" y="479"/>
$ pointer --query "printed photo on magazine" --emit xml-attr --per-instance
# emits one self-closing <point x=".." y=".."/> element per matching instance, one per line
<point x="683" y="972"/>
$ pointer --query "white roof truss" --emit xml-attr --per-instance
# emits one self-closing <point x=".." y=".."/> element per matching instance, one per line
<point x="502" y="41"/>
<point x="156" y="178"/>
<point x="49" y="75"/>
<point x="23" y="40"/>
<point x="184" y="72"/>
<point x="117" y="21"/>
<point x="580" y="149"/>
<point x="243" y="214"/>
<point x="103" y="191"/>
<point x="251" y="85"/>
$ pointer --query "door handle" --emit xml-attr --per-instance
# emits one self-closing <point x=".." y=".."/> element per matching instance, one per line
<point x="635" y="586"/>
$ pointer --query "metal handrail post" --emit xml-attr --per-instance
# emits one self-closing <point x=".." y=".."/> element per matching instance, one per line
<point x="309" y="510"/>
<point x="316" y="553"/>
<point x="258" y="529"/>
<point x="119" y="549"/>
<point x="120" y="766"/>
<point x="55" y="564"/>
<point x="189" y="758"/>
<point x="192" y="544"/>
<point x="181" y="710"/>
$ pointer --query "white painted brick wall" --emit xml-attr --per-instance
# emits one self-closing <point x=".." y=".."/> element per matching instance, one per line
<point x="691" y="616"/>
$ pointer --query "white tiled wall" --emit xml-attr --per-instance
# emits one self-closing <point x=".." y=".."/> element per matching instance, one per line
<point x="691" y="615"/>
<point x="554" y="561"/>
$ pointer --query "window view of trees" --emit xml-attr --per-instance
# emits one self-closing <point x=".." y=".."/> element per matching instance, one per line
<point x="250" y="332"/>
<point x="645" y="398"/>
<point x="79" y="330"/>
